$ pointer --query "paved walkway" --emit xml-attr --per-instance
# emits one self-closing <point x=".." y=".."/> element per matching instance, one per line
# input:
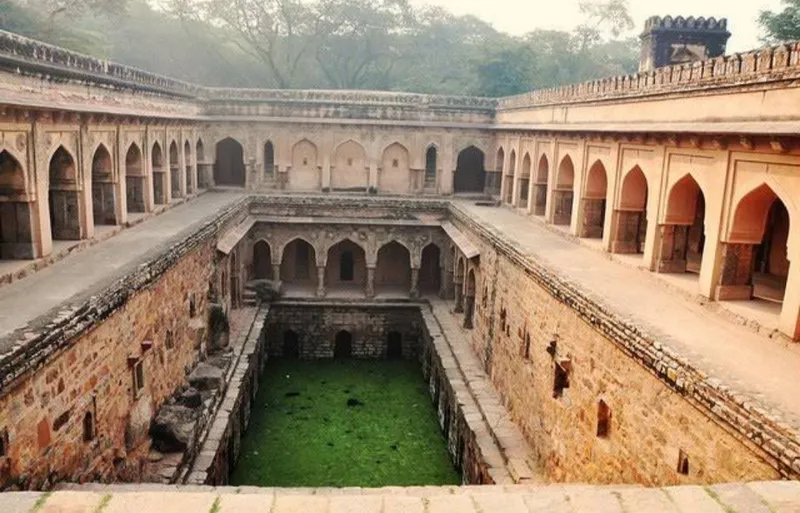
<point x="767" y="370"/>
<point x="85" y="272"/>
<point x="764" y="497"/>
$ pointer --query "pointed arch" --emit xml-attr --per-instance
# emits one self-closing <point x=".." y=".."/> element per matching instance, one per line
<point x="682" y="237"/>
<point x="305" y="174"/>
<point x="188" y="167"/>
<point x="159" y="175"/>
<point x="175" y="169"/>
<point x="470" y="175"/>
<point x="393" y="268"/>
<point x="12" y="175"/>
<point x="64" y="197"/>
<point x="229" y="164"/>
<point x="395" y="171"/>
<point x="594" y="201"/>
<point x="103" y="194"/>
<point x="540" y="186"/>
<point x="631" y="214"/>
<point x="430" y="271"/>
<point x="346" y="265"/>
<point x="262" y="260"/>
<point x="499" y="162"/>
<point x="16" y="234"/>
<point x="563" y="193"/>
<point x="350" y="169"/>
<point x="431" y="165"/>
<point x="134" y="179"/>
<point x="269" y="159"/>
<point x="299" y="262"/>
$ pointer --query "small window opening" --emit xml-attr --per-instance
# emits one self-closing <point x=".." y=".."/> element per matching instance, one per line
<point x="526" y="351"/>
<point x="3" y="443"/>
<point x="349" y="162"/>
<point x="169" y="339"/>
<point x="395" y="163"/>
<point x="138" y="377"/>
<point x="503" y="320"/>
<point x="603" y="419"/>
<point x="343" y="345"/>
<point x="683" y="463"/>
<point x="192" y="306"/>
<point x="561" y="379"/>
<point x="305" y="161"/>
<point x="291" y="345"/>
<point x="88" y="427"/>
<point x="394" y="346"/>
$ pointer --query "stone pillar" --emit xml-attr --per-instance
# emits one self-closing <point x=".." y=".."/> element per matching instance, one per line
<point x="370" y="282"/>
<point x="459" y="296"/>
<point x="444" y="282"/>
<point x="414" y="293"/>
<point x="789" y="322"/>
<point x="469" y="311"/>
<point x="671" y="248"/>
<point x="321" y="281"/>
<point x="735" y="279"/>
<point x="276" y="272"/>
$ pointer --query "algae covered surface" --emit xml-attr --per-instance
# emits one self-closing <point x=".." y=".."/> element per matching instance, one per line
<point x="343" y="423"/>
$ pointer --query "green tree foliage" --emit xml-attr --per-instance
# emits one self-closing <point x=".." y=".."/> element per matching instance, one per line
<point x="782" y="26"/>
<point x="342" y="44"/>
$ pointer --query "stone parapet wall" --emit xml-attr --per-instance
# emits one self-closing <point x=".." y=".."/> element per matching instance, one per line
<point x="663" y="407"/>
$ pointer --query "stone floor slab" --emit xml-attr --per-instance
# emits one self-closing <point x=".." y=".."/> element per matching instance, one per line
<point x="246" y="503"/>
<point x="73" y="502"/>
<point x="692" y="498"/>
<point x="19" y="502"/>
<point x="161" y="502"/>
<point x="356" y="504"/>
<point x="739" y="498"/>
<point x="781" y="496"/>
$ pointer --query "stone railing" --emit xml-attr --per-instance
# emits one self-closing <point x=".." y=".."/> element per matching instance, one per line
<point x="26" y="54"/>
<point x="771" y="64"/>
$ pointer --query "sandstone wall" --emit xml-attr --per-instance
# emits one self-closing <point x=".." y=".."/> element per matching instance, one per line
<point x="652" y="425"/>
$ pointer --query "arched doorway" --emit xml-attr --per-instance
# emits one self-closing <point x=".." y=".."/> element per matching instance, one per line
<point x="229" y="165"/>
<point x="523" y="182"/>
<point x="187" y="159"/>
<point x="682" y="236"/>
<point x="134" y="179"/>
<point x="430" y="272"/>
<point x="269" y="161"/>
<point x="430" y="167"/>
<point x="64" y="197"/>
<point x="508" y="178"/>
<point x="458" y="282"/>
<point x="343" y="345"/>
<point x="299" y="266"/>
<point x="291" y="345"/>
<point x="470" y="175"/>
<point x="103" y="196"/>
<point x="346" y="268"/>
<point x="594" y="202"/>
<point x="200" y="159"/>
<point x="755" y="260"/>
<point x="159" y="175"/>
<point x="174" y="170"/>
<point x="395" y="172"/>
<point x="393" y="269"/>
<point x="305" y="174"/>
<point x="469" y="300"/>
<point x="350" y="171"/>
<point x="394" y="345"/>
<point x="16" y="236"/>
<point x="563" y="192"/>
<point x="262" y="261"/>
<point x="540" y="186"/>
<point x="631" y="215"/>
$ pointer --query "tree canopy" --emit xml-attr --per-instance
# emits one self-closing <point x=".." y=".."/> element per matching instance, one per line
<point x="340" y="44"/>
<point x="784" y="25"/>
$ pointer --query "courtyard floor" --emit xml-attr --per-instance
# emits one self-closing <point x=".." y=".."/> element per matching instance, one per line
<point x="343" y="423"/>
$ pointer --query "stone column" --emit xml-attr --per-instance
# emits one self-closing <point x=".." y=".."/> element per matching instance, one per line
<point x="321" y="281"/>
<point x="459" y="296"/>
<point x="370" y="282"/>
<point x="276" y="272"/>
<point x="414" y="283"/>
<point x="469" y="310"/>
<point x="735" y="279"/>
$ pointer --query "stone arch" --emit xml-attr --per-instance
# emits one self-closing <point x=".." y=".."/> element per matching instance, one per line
<point x="508" y="177"/>
<point x="64" y="197"/>
<point x="470" y="175"/>
<point x="430" y="272"/>
<point x="540" y="186"/>
<point x="187" y="160"/>
<point x="524" y="180"/>
<point x="159" y="178"/>
<point x="431" y="165"/>
<point x="175" y="169"/>
<point x="563" y="192"/>
<point x="631" y="214"/>
<point x="393" y="268"/>
<point x="346" y="264"/>
<point x="305" y="173"/>
<point x="262" y="260"/>
<point x="350" y="170"/>
<point x="229" y="164"/>
<point x="16" y="235"/>
<point x="269" y="160"/>
<point x="499" y="162"/>
<point x="395" y="171"/>
<point x="760" y="231"/>
<point x="299" y="263"/>
<point x="682" y="237"/>
<point x="594" y="201"/>
<point x="103" y="195"/>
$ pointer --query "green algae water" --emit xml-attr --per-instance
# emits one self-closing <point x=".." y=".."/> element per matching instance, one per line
<point x="343" y="423"/>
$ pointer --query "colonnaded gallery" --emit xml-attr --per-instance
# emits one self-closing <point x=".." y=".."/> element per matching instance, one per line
<point x="597" y="286"/>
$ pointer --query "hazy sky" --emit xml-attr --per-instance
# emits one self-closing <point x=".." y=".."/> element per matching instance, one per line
<point x="520" y="16"/>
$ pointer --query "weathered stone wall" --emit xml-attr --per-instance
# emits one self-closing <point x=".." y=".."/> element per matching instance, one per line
<point x="659" y="411"/>
<point x="76" y="375"/>
<point x="317" y="326"/>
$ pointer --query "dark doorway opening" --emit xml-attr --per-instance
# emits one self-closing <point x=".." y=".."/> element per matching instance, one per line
<point x="291" y="345"/>
<point x="343" y="345"/>
<point x="394" y="346"/>
<point x="346" y="266"/>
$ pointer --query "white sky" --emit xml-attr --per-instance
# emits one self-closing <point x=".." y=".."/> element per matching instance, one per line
<point x="520" y="16"/>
